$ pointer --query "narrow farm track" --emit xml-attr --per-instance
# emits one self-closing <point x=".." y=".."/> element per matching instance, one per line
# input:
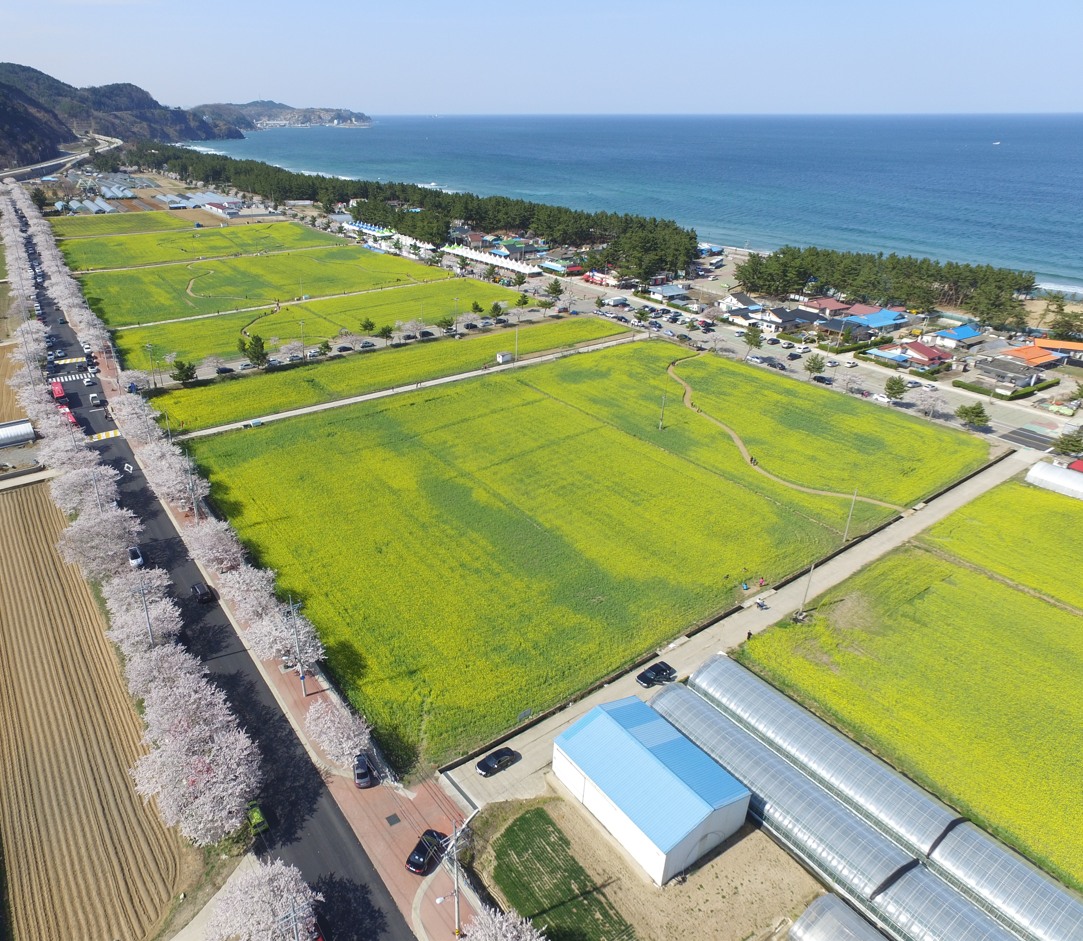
<point x="84" y="857"/>
<point x="689" y="404"/>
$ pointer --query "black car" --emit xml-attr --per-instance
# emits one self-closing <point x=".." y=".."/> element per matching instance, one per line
<point x="792" y="356"/>
<point x="656" y="674"/>
<point x="223" y="370"/>
<point x="344" y="349"/>
<point x="496" y="761"/>
<point x="426" y="334"/>
<point x="202" y="593"/>
<point x="362" y="772"/>
<point x="426" y="852"/>
<point x="823" y="380"/>
<point x="779" y="366"/>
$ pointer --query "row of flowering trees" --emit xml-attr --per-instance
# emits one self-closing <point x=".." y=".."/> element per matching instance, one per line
<point x="200" y="766"/>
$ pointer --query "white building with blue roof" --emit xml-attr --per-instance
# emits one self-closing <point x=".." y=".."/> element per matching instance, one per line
<point x="663" y="798"/>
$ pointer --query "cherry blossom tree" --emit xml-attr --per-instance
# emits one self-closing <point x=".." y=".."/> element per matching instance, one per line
<point x="249" y="591"/>
<point x="85" y="489"/>
<point x="271" y="902"/>
<point x="340" y="733"/>
<point x="277" y="636"/>
<point x="292" y="348"/>
<point x="491" y="924"/>
<point x="157" y="667"/>
<point x="63" y="452"/>
<point x="214" y="545"/>
<point x="98" y="543"/>
<point x="135" y="418"/>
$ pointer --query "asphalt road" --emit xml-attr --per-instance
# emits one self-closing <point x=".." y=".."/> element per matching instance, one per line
<point x="307" y="829"/>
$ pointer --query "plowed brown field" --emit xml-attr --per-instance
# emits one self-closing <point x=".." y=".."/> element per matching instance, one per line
<point x="9" y="406"/>
<point x="84" y="857"/>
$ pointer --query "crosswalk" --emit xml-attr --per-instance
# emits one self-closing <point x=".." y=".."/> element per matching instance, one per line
<point x="102" y="435"/>
<point x="71" y="377"/>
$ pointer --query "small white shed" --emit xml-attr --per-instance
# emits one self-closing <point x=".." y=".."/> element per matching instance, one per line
<point x="502" y="358"/>
<point x="664" y="799"/>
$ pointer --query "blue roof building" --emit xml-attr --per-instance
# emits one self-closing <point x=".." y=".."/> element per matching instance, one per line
<point x="880" y="320"/>
<point x="663" y="798"/>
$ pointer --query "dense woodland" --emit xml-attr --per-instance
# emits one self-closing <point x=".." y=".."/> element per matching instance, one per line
<point x="993" y="295"/>
<point x="639" y="247"/>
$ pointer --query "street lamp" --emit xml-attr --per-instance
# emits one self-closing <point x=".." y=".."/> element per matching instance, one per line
<point x="302" y="323"/>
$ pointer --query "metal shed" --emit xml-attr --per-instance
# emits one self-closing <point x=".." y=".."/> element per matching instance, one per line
<point x="662" y="797"/>
<point x="13" y="433"/>
<point x="1058" y="479"/>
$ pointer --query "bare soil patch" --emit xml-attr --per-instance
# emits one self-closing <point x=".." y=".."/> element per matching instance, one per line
<point x="85" y="858"/>
<point x="749" y="889"/>
<point x="9" y="405"/>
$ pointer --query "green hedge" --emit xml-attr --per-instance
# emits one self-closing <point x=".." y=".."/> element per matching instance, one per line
<point x="1017" y="394"/>
<point x="854" y="347"/>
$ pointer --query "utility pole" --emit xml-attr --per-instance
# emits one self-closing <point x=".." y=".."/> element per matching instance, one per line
<point x="808" y="585"/>
<point x="846" y="534"/>
<point x="302" y="323"/>
<point x="662" y="417"/>
<point x="292" y="621"/>
<point x="146" y="611"/>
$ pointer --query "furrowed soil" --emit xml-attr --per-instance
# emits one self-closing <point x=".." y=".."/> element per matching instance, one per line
<point x="9" y="406"/>
<point x="84" y="857"/>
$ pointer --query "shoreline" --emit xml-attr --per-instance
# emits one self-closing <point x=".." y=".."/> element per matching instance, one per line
<point x="706" y="231"/>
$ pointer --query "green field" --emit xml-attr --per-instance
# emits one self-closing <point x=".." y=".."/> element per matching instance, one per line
<point x="194" y="340"/>
<point x="534" y="528"/>
<point x="168" y="292"/>
<point x="1030" y="536"/>
<point x="818" y="438"/>
<point x="123" y="223"/>
<point x="248" y="396"/>
<point x="967" y="684"/>
<point x="191" y="244"/>
<point x="542" y="881"/>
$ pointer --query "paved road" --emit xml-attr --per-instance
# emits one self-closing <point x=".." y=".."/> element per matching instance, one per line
<point x="307" y="827"/>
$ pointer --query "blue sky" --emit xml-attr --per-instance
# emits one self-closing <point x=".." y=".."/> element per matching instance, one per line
<point x="557" y="57"/>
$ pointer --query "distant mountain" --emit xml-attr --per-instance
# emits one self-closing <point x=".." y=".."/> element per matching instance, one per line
<point x="262" y="114"/>
<point x="38" y="113"/>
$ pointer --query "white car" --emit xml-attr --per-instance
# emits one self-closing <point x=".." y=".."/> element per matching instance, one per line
<point x="787" y="345"/>
<point x="738" y="333"/>
<point x="88" y="382"/>
<point x="851" y="363"/>
<point x="135" y="557"/>
<point x="756" y="359"/>
<point x="880" y="397"/>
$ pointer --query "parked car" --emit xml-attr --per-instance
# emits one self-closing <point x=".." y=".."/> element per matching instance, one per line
<point x="778" y="366"/>
<point x="823" y="380"/>
<point x="756" y="359"/>
<point x="656" y="674"/>
<point x="787" y="345"/>
<point x="202" y="593"/>
<point x="246" y="365"/>
<point x="880" y="397"/>
<point x="496" y="761"/>
<point x="344" y="349"/>
<point x="135" y="557"/>
<point x="832" y="363"/>
<point x="426" y="334"/>
<point x="427" y="851"/>
<point x="88" y="381"/>
<point x="851" y="363"/>
<point x="362" y="772"/>
<point x="913" y="384"/>
<point x="365" y="345"/>
<point x="773" y="341"/>
<point x="256" y="820"/>
<point x="793" y="355"/>
<point x="295" y="357"/>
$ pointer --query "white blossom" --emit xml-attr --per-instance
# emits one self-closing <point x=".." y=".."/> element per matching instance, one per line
<point x="157" y="667"/>
<point x="214" y="545"/>
<point x="491" y="924"/>
<point x="340" y="733"/>
<point x="85" y="490"/>
<point x="269" y="903"/>
<point x="98" y="544"/>
<point x="278" y="637"/>
<point x="249" y="592"/>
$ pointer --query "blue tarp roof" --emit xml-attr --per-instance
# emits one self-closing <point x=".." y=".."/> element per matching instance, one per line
<point x="661" y="780"/>
<point x="881" y="354"/>
<point x="965" y="332"/>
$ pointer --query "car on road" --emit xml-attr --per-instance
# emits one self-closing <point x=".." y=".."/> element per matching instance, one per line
<point x="823" y="380"/>
<point x="295" y="357"/>
<point x="913" y="384"/>
<point x="362" y="772"/>
<point x="931" y="385"/>
<point x="669" y="333"/>
<point x="246" y="365"/>
<point x="426" y="334"/>
<point x="88" y="382"/>
<point x="756" y="359"/>
<point x="223" y="370"/>
<point x="832" y="363"/>
<point x="880" y="397"/>
<point x="779" y="366"/>
<point x="496" y="761"/>
<point x="774" y="341"/>
<point x="426" y="852"/>
<point x="344" y="349"/>
<point x="851" y="363"/>
<point x="738" y="333"/>
<point x="656" y="674"/>
<point x="135" y="557"/>
<point x="683" y="336"/>
<point x="787" y="345"/>
<point x="202" y="593"/>
<point x="256" y="820"/>
<point x="793" y="355"/>
<point x="365" y="345"/>
<point x="274" y="362"/>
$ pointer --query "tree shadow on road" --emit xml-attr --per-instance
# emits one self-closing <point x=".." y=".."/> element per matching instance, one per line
<point x="348" y="910"/>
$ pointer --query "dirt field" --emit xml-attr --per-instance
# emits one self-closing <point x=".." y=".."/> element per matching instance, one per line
<point x="9" y="407"/>
<point x="84" y="858"/>
<point x="748" y="890"/>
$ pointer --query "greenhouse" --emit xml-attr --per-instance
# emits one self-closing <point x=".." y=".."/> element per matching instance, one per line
<point x="1003" y="884"/>
<point x="886" y="884"/>
<point x="829" y="918"/>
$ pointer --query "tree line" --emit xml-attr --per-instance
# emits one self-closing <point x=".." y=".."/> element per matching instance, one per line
<point x="993" y="295"/>
<point x="638" y="246"/>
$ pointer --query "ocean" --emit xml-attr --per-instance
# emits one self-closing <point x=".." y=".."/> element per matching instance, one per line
<point x="999" y="190"/>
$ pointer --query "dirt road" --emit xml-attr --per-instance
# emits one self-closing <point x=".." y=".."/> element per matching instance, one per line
<point x="84" y="857"/>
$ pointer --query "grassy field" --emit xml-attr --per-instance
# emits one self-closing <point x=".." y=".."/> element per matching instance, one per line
<point x="543" y="882"/>
<point x="533" y="528"/>
<point x="124" y="223"/>
<point x="1031" y="536"/>
<point x="167" y="292"/>
<point x="819" y="438"/>
<point x="194" y="340"/>
<point x="248" y="396"/>
<point x="191" y="244"/>
<point x="968" y="685"/>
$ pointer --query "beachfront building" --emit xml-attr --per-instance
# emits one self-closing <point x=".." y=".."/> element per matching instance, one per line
<point x="1007" y="371"/>
<point x="739" y="299"/>
<point x="668" y="294"/>
<point x="877" y="319"/>
<point x="824" y="306"/>
<point x="962" y="337"/>
<point x="1069" y="349"/>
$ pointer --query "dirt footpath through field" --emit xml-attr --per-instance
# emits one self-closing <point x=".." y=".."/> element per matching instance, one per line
<point x="85" y="858"/>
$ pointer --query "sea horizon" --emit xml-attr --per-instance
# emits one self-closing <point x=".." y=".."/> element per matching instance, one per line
<point x="998" y="189"/>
